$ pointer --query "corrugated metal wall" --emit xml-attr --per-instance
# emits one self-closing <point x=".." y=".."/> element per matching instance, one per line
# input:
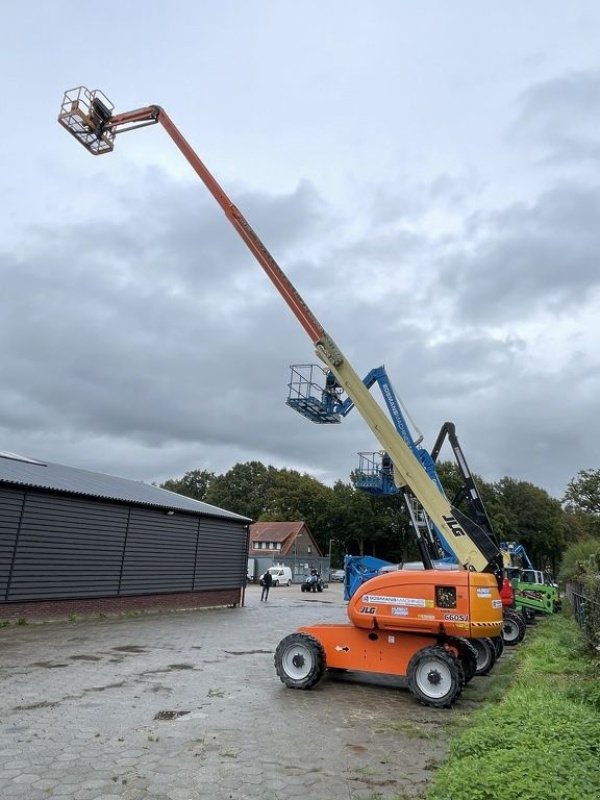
<point x="11" y="504"/>
<point x="55" y="547"/>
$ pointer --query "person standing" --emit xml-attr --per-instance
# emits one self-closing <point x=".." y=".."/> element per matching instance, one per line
<point x="267" y="581"/>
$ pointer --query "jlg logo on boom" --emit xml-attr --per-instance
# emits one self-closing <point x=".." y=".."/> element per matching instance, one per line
<point x="453" y="525"/>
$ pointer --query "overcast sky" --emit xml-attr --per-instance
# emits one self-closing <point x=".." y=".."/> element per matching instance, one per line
<point x="426" y="174"/>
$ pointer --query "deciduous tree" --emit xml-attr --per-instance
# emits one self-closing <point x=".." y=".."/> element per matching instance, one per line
<point x="194" y="484"/>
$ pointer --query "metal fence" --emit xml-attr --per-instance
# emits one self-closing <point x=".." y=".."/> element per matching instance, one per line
<point x="585" y="610"/>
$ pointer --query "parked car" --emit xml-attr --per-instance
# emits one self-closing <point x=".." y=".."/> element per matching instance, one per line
<point x="337" y="575"/>
<point x="312" y="583"/>
<point x="282" y="576"/>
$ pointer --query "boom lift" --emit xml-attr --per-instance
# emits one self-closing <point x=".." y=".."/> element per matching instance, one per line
<point x="513" y="629"/>
<point x="524" y="591"/>
<point x="406" y="624"/>
<point x="535" y="591"/>
<point x="325" y="405"/>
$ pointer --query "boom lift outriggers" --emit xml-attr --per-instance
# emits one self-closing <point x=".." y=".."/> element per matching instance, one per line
<point x="404" y="623"/>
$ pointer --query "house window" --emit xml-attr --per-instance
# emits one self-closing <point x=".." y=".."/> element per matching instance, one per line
<point x="279" y="545"/>
<point x="271" y="545"/>
<point x="309" y="549"/>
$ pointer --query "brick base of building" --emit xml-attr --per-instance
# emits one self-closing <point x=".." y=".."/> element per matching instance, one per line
<point x="45" y="610"/>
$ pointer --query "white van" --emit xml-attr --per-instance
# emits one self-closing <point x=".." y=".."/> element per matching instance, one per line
<point x="282" y="576"/>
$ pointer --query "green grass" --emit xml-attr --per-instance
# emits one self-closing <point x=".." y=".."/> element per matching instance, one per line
<point x="540" y="738"/>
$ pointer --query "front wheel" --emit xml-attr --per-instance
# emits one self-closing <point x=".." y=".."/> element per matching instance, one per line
<point x="300" y="661"/>
<point x="435" y="677"/>
<point x="289" y="583"/>
<point x="276" y="583"/>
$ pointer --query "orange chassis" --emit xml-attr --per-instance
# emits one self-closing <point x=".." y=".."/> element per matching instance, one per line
<point x="406" y="623"/>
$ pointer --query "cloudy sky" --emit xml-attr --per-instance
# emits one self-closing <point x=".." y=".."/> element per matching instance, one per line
<point x="426" y="174"/>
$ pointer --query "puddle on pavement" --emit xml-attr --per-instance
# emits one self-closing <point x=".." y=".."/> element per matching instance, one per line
<point x="104" y="688"/>
<point x="130" y="648"/>
<point x="247" y="652"/>
<point x="35" y="706"/>
<point x="158" y="688"/>
<point x="84" y="658"/>
<point x="48" y="664"/>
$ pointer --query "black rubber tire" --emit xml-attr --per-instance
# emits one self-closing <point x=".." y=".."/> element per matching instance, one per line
<point x="435" y="677"/>
<point x="486" y="655"/>
<point x="467" y="655"/>
<point x="300" y="661"/>
<point x="319" y="588"/>
<point x="499" y="645"/>
<point x="513" y="629"/>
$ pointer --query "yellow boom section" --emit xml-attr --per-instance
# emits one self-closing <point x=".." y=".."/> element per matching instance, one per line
<point x="407" y="469"/>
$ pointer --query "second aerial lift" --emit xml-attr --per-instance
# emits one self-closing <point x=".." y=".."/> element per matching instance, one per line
<point x="408" y="624"/>
<point x="513" y="629"/>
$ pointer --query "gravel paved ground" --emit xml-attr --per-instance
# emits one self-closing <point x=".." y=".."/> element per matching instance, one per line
<point x="187" y="705"/>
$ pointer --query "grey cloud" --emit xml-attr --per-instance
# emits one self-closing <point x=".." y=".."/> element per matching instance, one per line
<point x="529" y="258"/>
<point x="561" y="117"/>
<point x="131" y="329"/>
<point x="154" y="345"/>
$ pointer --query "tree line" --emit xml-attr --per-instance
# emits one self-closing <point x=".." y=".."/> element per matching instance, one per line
<point x="348" y="520"/>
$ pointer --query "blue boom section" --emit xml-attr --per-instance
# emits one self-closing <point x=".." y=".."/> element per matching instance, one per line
<point x="516" y="552"/>
<point x="358" y="569"/>
<point x="380" y="377"/>
<point x="315" y="394"/>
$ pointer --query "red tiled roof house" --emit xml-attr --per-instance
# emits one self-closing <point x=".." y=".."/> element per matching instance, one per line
<point x="281" y="539"/>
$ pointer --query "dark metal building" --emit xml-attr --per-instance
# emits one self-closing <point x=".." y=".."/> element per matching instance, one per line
<point x="78" y="541"/>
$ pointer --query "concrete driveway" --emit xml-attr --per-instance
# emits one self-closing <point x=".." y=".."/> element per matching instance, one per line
<point x="187" y="705"/>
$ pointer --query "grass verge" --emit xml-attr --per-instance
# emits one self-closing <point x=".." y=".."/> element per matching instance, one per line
<point x="539" y="737"/>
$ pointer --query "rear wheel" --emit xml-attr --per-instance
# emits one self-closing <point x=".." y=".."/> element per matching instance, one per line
<point x="435" y="677"/>
<point x="486" y="655"/>
<point x="466" y="654"/>
<point x="499" y="645"/>
<point x="300" y="661"/>
<point x="513" y="629"/>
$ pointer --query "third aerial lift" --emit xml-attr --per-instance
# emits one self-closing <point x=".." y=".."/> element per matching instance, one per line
<point x="408" y="624"/>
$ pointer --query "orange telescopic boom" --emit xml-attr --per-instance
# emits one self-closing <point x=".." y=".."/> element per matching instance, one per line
<point x="88" y="117"/>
